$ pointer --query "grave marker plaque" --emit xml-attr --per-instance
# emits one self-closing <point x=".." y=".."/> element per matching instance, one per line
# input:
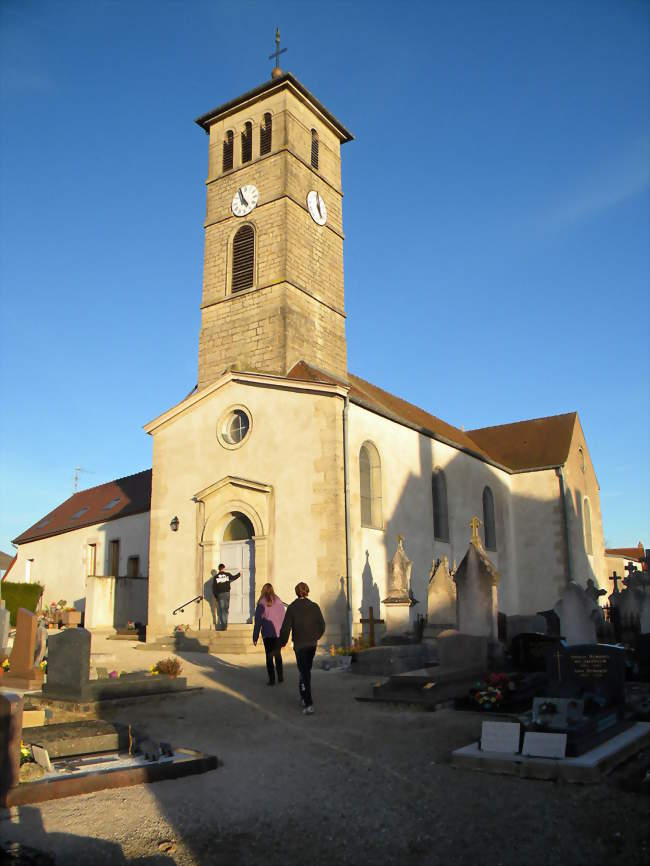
<point x="500" y="737"/>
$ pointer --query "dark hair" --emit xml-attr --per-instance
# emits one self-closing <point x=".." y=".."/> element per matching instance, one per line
<point x="302" y="590"/>
<point x="221" y="565"/>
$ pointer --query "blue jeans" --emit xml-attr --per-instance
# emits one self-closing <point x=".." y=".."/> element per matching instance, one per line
<point x="304" y="660"/>
<point x="222" y="602"/>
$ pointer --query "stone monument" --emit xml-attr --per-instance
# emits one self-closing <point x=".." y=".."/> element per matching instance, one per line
<point x="23" y="673"/>
<point x="476" y="586"/>
<point x="441" y="600"/>
<point x="4" y="628"/>
<point x="398" y="601"/>
<point x="68" y="664"/>
<point x="578" y="615"/>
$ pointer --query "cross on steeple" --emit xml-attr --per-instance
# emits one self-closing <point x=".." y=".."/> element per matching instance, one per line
<point x="276" y="71"/>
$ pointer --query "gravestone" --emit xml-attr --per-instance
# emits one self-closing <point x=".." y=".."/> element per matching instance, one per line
<point x="23" y="674"/>
<point x="441" y="600"/>
<point x="644" y="617"/>
<point x="543" y="745"/>
<point x="68" y="664"/>
<point x="476" y="586"/>
<point x="593" y="672"/>
<point x="11" y="726"/>
<point x="529" y="650"/>
<point x="398" y="601"/>
<point x="463" y="651"/>
<point x="500" y="737"/>
<point x="628" y="605"/>
<point x="578" y="615"/>
<point x="532" y="623"/>
<point x="40" y="650"/>
<point x="552" y="621"/>
<point x="4" y="627"/>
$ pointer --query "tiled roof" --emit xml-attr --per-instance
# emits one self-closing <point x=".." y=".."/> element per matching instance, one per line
<point x="120" y="498"/>
<point x="517" y="447"/>
<point x="637" y="553"/>
<point x="531" y="444"/>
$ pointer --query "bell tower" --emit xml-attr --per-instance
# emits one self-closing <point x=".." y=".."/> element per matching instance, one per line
<point x="273" y="266"/>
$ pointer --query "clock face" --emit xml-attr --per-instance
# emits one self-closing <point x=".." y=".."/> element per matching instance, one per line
<point x="317" y="207"/>
<point x="244" y="200"/>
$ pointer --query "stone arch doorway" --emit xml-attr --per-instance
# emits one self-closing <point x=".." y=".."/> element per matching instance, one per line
<point x="237" y="552"/>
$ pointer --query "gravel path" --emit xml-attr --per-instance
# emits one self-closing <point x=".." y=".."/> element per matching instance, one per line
<point x="354" y="783"/>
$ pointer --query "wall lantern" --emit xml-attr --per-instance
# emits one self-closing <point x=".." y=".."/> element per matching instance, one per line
<point x="174" y="524"/>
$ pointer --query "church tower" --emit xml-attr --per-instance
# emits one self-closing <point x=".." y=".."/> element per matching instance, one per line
<point x="273" y="267"/>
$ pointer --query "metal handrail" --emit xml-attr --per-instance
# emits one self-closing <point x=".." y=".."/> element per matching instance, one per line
<point x="180" y="609"/>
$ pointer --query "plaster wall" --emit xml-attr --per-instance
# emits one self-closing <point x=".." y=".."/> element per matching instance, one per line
<point x="407" y="461"/>
<point x="60" y="563"/>
<point x="539" y="534"/>
<point x="286" y="477"/>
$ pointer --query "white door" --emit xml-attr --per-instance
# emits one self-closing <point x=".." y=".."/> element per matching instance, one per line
<point x="240" y="556"/>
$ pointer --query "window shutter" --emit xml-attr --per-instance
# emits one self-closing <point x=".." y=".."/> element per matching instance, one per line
<point x="227" y="151"/>
<point x="314" y="148"/>
<point x="247" y="143"/>
<point x="243" y="259"/>
<point x="265" y="135"/>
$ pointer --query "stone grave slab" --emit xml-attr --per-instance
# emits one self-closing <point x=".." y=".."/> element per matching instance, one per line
<point x="11" y="724"/>
<point x="78" y="738"/>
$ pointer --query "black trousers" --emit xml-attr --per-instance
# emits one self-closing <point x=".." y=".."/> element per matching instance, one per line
<point x="273" y="649"/>
<point x="304" y="660"/>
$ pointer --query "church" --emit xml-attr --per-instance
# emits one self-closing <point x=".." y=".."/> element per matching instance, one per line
<point x="286" y="466"/>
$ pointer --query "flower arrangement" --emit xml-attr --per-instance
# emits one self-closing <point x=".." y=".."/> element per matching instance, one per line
<point x="5" y="664"/>
<point x="43" y="666"/>
<point x="25" y="754"/>
<point x="490" y="692"/>
<point x="182" y="627"/>
<point x="170" y="666"/>
<point x="356" y="646"/>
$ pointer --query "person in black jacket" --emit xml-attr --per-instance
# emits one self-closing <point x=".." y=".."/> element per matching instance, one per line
<point x="221" y="581"/>
<point x="305" y="620"/>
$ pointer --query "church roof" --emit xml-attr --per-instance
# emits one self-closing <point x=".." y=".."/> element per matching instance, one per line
<point x="120" y="498"/>
<point x="637" y="553"/>
<point x="524" y="445"/>
<point x="534" y="444"/>
<point x="284" y="80"/>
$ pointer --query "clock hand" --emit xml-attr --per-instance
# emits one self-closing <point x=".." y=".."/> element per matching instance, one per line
<point x="241" y="197"/>
<point x="320" y="213"/>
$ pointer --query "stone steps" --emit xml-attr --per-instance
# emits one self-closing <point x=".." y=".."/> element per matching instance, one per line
<point x="236" y="640"/>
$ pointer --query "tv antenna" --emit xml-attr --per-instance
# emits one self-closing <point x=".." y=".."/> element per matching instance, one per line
<point x="77" y="471"/>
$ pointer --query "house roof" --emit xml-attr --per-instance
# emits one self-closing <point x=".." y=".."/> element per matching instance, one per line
<point x="532" y="444"/>
<point x="524" y="445"/>
<point x="637" y="553"/>
<point x="120" y="498"/>
<point x="286" y="80"/>
<point x="5" y="559"/>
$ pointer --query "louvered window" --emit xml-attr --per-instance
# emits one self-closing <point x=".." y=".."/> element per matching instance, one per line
<point x="243" y="259"/>
<point x="265" y="135"/>
<point x="314" y="149"/>
<point x="228" y="151"/>
<point x="489" y="523"/>
<point x="247" y="143"/>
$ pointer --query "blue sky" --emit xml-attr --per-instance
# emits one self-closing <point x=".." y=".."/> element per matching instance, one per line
<point x="496" y="218"/>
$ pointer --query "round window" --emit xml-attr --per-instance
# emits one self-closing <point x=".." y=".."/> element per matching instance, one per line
<point x="234" y="427"/>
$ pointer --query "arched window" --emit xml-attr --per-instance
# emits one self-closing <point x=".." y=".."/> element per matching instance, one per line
<point x="586" y="515"/>
<point x="247" y="142"/>
<point x="440" y="512"/>
<point x="243" y="259"/>
<point x="265" y="134"/>
<point x="488" y="520"/>
<point x="314" y="149"/>
<point x="239" y="529"/>
<point x="370" y="486"/>
<point x="228" y="149"/>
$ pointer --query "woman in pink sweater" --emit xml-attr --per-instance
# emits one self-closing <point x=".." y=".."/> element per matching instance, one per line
<point x="269" y="615"/>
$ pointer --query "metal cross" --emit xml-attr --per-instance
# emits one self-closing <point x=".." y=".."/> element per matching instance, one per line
<point x="278" y="51"/>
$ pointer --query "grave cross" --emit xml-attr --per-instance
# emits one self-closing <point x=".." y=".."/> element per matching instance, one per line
<point x="278" y="51"/>
<point x="616" y="579"/>
<point x="474" y="525"/>
<point x="630" y="568"/>
<point x="370" y="619"/>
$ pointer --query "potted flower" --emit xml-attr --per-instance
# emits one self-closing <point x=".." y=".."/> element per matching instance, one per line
<point x="70" y="617"/>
